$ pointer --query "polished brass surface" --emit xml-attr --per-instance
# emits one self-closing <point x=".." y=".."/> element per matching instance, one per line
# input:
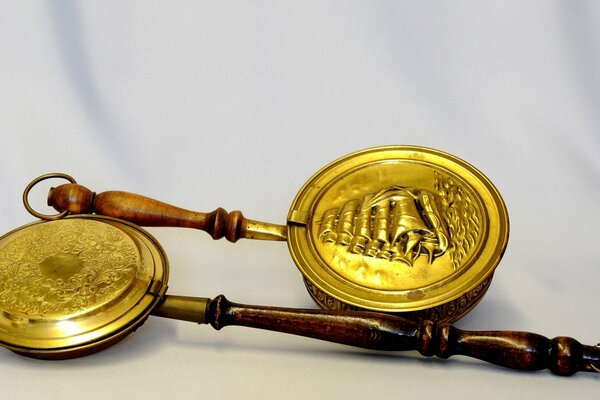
<point x="183" y="308"/>
<point x="73" y="286"/>
<point x="398" y="229"/>
<point x="265" y="231"/>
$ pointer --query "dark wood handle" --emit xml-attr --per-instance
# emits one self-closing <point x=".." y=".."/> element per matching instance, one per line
<point x="145" y="211"/>
<point x="516" y="350"/>
<point x="520" y="350"/>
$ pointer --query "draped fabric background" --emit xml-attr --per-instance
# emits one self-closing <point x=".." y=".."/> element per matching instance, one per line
<point x="237" y="104"/>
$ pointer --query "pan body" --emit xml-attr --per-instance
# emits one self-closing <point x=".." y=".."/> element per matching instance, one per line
<point x="77" y="285"/>
<point x="399" y="229"/>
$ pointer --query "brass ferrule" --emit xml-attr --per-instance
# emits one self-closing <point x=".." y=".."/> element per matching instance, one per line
<point x="183" y="308"/>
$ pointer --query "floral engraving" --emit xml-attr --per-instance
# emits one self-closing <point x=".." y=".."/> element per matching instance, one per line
<point x="64" y="267"/>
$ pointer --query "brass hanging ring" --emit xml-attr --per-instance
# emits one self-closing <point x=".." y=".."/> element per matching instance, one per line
<point x="34" y="182"/>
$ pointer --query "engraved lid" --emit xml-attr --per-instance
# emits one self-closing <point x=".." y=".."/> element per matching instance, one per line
<point x="397" y="229"/>
<point x="69" y="286"/>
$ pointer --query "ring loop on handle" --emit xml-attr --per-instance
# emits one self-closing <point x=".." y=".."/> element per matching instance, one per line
<point x="35" y="182"/>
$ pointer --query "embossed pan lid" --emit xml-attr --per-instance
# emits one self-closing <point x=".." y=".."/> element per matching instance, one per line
<point x="74" y="286"/>
<point x="398" y="229"/>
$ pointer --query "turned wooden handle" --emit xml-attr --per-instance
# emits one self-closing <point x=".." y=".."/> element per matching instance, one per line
<point x="516" y="350"/>
<point x="145" y="211"/>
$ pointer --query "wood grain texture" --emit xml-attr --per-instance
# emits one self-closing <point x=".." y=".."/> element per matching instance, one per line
<point x="517" y="350"/>
<point x="145" y="211"/>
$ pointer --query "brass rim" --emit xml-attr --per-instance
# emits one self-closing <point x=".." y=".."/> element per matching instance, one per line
<point x="341" y="209"/>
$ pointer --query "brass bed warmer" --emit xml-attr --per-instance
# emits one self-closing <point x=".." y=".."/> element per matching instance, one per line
<point x="394" y="242"/>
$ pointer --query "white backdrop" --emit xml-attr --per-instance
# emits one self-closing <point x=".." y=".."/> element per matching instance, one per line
<point x="237" y="104"/>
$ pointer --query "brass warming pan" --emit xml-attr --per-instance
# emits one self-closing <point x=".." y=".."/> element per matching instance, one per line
<point x="398" y="229"/>
<point x="77" y="285"/>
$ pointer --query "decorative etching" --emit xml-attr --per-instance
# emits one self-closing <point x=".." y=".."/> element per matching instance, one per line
<point x="64" y="267"/>
<point x="457" y="308"/>
<point x="447" y="312"/>
<point x="400" y="224"/>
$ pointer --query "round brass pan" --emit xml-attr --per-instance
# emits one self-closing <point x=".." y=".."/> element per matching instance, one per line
<point x="398" y="229"/>
<point x="77" y="285"/>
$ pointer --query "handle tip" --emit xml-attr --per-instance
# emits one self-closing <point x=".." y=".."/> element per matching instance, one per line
<point x="71" y="197"/>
